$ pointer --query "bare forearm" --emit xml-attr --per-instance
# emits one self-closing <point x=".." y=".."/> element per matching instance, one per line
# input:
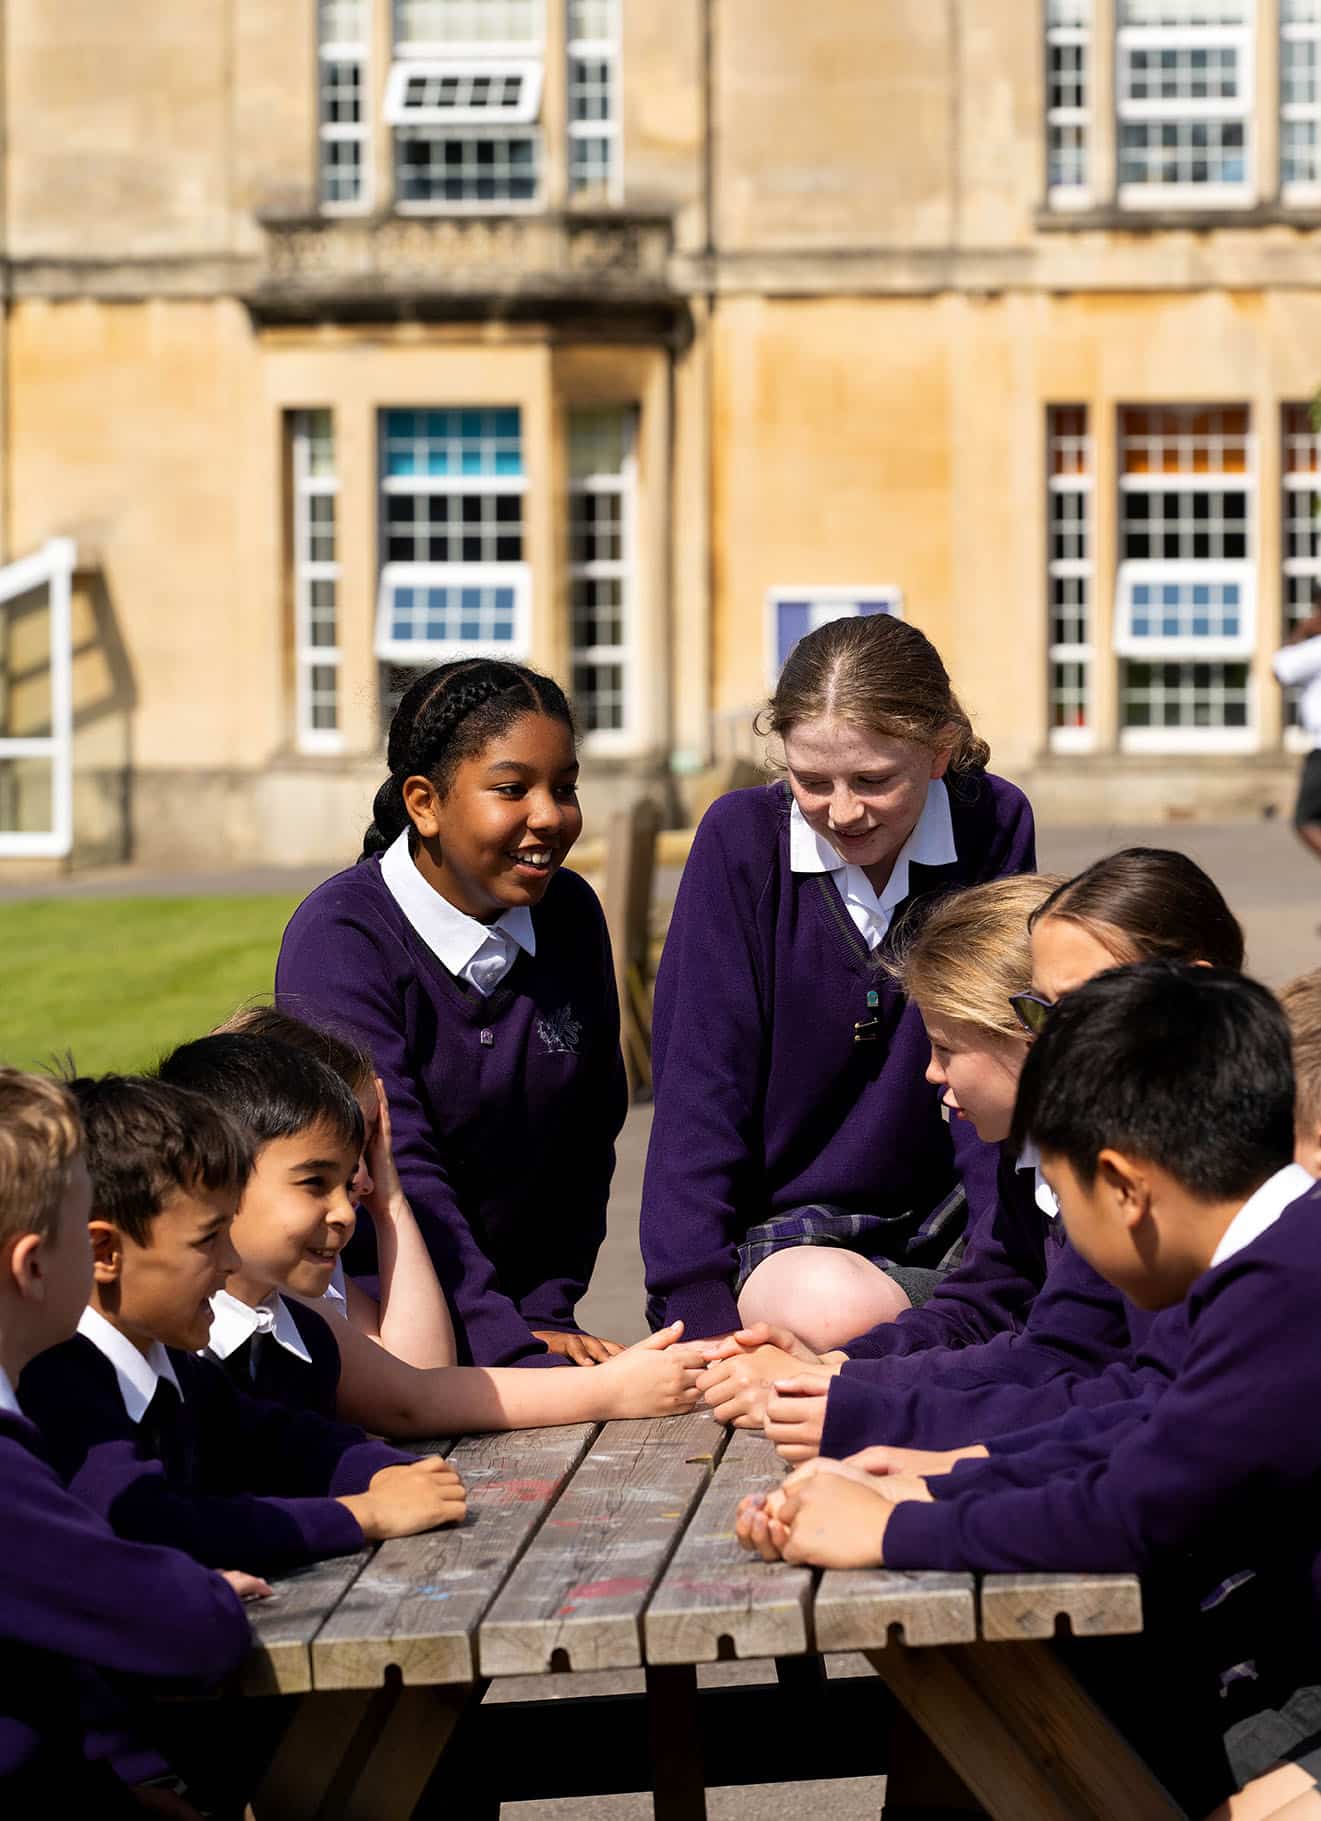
<point x="415" y="1320"/>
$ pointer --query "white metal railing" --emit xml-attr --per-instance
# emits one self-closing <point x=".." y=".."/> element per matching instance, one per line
<point x="50" y="567"/>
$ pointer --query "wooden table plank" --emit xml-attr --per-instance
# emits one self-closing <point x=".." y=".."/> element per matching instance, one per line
<point x="713" y="1594"/>
<point x="576" y="1597"/>
<point x="418" y="1604"/>
<point x="1037" y="1605"/>
<point x="284" y="1626"/>
<point x="863" y="1608"/>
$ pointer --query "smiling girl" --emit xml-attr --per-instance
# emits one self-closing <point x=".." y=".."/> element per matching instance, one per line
<point x="798" y="1153"/>
<point x="477" y="974"/>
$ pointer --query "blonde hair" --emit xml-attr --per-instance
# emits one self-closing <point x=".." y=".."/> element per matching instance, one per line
<point x="880" y="674"/>
<point x="1301" y="1000"/>
<point x="973" y="951"/>
<point x="41" y="1137"/>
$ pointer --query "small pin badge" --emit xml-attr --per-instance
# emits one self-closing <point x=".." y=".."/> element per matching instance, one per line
<point x="873" y="999"/>
<point x="486" y="1039"/>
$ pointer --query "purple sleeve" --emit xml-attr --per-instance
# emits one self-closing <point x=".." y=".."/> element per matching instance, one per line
<point x="333" y="962"/>
<point x="1030" y="1457"/>
<point x="1222" y="1453"/>
<point x="993" y="1286"/>
<point x="68" y="1583"/>
<point x="708" y="1062"/>
<point x="552" y="1302"/>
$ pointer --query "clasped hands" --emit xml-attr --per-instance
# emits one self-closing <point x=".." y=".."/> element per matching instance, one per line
<point x="764" y="1377"/>
<point x="834" y="1514"/>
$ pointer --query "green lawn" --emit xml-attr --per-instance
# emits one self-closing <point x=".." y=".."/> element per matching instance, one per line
<point x="117" y="981"/>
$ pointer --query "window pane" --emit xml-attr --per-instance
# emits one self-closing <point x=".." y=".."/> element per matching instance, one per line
<point x="442" y="166"/>
<point x="481" y="22"/>
<point x="27" y="795"/>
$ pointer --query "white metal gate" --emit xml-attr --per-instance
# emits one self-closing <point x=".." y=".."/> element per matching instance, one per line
<point x="36" y="703"/>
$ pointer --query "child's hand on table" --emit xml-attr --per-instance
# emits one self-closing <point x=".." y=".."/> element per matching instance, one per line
<point x="737" y="1387"/>
<point x="923" y="1463"/>
<point x="657" y="1377"/>
<point x="763" y="1334"/>
<point x="582" y="1349"/>
<point x="405" y="1500"/>
<point x="796" y="1416"/>
<point x="247" y="1586"/>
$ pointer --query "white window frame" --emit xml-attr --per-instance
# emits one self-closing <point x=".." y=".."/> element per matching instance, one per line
<point x="623" y="485"/>
<point x="1139" y="196"/>
<point x="824" y="605"/>
<point x="1300" y="112"/>
<point x="307" y="656"/>
<point x="1074" y="739"/>
<point x="1066" y="196"/>
<point x="329" y="51"/>
<point x="422" y="652"/>
<point x="1296" y="481"/>
<point x="453" y="58"/>
<point x="1189" y="649"/>
<point x="397" y="111"/>
<point x="608" y="51"/>
<point x="51" y="568"/>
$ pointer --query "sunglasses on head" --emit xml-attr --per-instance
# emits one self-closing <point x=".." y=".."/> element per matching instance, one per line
<point x="1031" y="1011"/>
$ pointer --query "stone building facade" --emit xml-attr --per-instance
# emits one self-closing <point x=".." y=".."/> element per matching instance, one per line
<point x="635" y="338"/>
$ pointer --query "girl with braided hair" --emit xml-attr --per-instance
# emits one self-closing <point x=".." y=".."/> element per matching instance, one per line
<point x="478" y="975"/>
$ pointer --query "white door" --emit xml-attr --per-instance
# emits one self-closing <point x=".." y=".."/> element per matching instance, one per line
<point x="36" y="703"/>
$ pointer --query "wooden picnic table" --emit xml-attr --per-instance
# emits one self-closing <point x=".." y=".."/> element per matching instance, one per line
<point x="611" y="1547"/>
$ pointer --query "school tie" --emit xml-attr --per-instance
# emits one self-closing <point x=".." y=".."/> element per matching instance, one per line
<point x="166" y="1433"/>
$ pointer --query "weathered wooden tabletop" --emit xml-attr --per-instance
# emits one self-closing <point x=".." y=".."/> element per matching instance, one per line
<point x="612" y="1547"/>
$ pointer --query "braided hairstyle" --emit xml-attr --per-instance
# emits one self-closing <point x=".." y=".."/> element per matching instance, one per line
<point x="446" y="716"/>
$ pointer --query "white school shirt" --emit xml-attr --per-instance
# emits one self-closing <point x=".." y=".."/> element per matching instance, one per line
<point x="930" y="844"/>
<point x="137" y="1374"/>
<point x="8" y="1402"/>
<point x="1302" y="664"/>
<point x="480" y="953"/>
<point x="1262" y="1209"/>
<point x="1029" y="1158"/>
<point x="234" y="1322"/>
<point x="334" y="1299"/>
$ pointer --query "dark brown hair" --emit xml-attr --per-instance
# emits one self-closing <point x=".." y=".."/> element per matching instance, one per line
<point x="40" y="1138"/>
<point x="877" y="673"/>
<point x="338" y="1051"/>
<point x="449" y="714"/>
<point x="145" y="1139"/>
<point x="1149" y="904"/>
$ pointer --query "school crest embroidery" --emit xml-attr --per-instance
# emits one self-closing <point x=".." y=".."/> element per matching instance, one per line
<point x="560" y="1032"/>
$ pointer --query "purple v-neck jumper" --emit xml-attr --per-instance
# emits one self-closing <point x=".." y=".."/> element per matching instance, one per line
<point x="764" y="1101"/>
<point x="504" y="1109"/>
<point x="1226" y="1464"/>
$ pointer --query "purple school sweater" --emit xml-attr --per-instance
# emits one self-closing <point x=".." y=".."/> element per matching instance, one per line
<point x="1225" y="1467"/>
<point x="1077" y="1329"/>
<point x="764" y="1101"/>
<point x="504" y="1109"/>
<point x="256" y="1486"/>
<point x="75" y="1597"/>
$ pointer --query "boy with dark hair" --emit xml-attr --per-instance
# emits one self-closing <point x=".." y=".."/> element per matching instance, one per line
<point x="157" y="1440"/>
<point x="1161" y="1099"/>
<point x="74" y="1597"/>
<point x="294" y="1219"/>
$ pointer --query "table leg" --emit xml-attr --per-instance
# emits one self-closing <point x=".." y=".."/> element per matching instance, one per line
<point x="311" y="1752"/>
<point x="385" y="1781"/>
<point x="1013" y="1723"/>
<point x="676" y="1749"/>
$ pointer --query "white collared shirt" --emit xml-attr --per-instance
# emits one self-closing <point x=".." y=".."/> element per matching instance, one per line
<point x="334" y="1299"/>
<point x="1262" y="1209"/>
<point x="1029" y="1158"/>
<point x="480" y="953"/>
<point x="235" y="1322"/>
<point x="930" y="844"/>
<point x="8" y="1402"/>
<point x="1301" y="663"/>
<point x="138" y="1373"/>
